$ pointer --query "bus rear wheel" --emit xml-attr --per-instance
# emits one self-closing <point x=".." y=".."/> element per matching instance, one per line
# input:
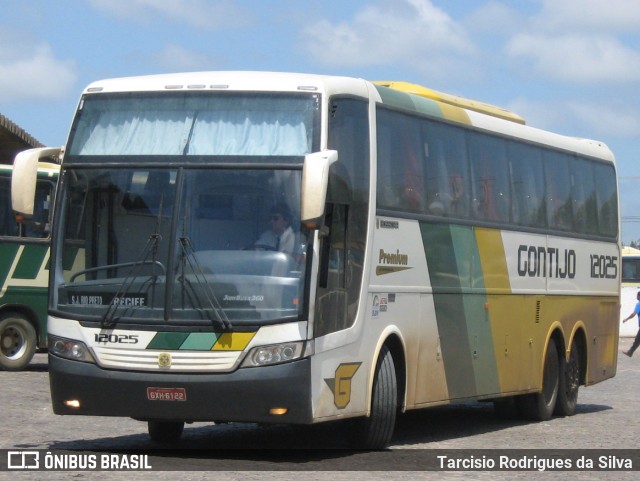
<point x="165" y="431"/>
<point x="540" y="406"/>
<point x="375" y="431"/>
<point x="569" y="383"/>
<point x="17" y="342"/>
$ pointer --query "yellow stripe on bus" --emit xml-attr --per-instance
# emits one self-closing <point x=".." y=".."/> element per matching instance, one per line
<point x="493" y="261"/>
<point x="233" y="341"/>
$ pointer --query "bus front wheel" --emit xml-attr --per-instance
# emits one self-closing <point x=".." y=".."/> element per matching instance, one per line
<point x="375" y="431"/>
<point x="165" y="431"/>
<point x="17" y="342"/>
<point x="540" y="406"/>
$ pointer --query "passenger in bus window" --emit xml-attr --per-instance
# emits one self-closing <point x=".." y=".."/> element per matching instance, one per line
<point x="636" y="342"/>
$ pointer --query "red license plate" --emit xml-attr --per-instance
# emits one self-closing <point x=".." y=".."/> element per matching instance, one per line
<point x="166" y="394"/>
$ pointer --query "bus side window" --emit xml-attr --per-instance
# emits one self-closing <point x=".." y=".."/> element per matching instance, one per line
<point x="606" y="199"/>
<point x="558" y="181"/>
<point x="488" y="159"/>
<point x="446" y="170"/>
<point x="36" y="226"/>
<point x="332" y="271"/>
<point x="527" y="186"/>
<point x="584" y="196"/>
<point x="332" y="293"/>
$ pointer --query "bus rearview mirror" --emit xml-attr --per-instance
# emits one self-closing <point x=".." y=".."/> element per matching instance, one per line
<point x="24" y="176"/>
<point x="315" y="178"/>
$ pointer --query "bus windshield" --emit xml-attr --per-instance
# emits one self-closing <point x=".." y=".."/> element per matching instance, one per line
<point x="182" y="245"/>
<point x="181" y="208"/>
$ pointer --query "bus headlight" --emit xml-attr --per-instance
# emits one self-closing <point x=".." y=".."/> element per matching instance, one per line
<point x="275" y="354"/>
<point x="69" y="349"/>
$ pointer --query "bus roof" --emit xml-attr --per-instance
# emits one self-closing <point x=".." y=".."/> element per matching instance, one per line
<point x="231" y="81"/>
<point x="484" y="116"/>
<point x="455" y="100"/>
<point x="396" y="94"/>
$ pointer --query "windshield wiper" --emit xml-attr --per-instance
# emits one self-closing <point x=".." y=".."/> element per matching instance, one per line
<point x="205" y="287"/>
<point x="150" y="249"/>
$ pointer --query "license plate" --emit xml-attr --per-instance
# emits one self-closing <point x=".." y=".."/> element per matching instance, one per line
<point x="166" y="394"/>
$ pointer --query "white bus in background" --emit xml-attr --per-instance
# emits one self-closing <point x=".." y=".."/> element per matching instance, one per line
<point x="629" y="290"/>
<point x="445" y="252"/>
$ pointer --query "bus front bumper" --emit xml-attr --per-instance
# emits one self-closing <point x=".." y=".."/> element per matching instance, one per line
<point x="245" y="395"/>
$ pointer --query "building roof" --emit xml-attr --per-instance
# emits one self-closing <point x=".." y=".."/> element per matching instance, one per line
<point x="13" y="139"/>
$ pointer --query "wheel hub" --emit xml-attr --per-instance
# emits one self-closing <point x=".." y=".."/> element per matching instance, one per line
<point x="12" y="343"/>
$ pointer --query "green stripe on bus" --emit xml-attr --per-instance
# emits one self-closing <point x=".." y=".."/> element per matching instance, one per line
<point x="30" y="261"/>
<point x="168" y="340"/>
<point x="449" y="307"/>
<point x="395" y="98"/>
<point x="200" y="341"/>
<point x="184" y="341"/>
<point x="415" y="103"/>
<point x="7" y="255"/>
<point x="456" y="275"/>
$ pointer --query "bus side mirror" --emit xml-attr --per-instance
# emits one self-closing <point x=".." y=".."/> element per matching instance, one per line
<point x="315" y="177"/>
<point x="24" y="176"/>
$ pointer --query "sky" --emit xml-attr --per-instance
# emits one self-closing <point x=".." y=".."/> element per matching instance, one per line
<point x="570" y="66"/>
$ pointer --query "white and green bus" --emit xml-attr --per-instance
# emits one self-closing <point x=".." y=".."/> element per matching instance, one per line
<point x="438" y="250"/>
<point x="24" y="269"/>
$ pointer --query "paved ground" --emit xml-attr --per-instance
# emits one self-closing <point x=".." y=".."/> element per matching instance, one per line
<point x="606" y="419"/>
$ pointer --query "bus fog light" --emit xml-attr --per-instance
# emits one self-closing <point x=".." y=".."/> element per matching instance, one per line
<point x="274" y="354"/>
<point x="72" y="403"/>
<point x="280" y="411"/>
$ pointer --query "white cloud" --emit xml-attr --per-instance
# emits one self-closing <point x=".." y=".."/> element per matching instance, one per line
<point x="577" y="57"/>
<point x="31" y="71"/>
<point x="494" y="17"/>
<point x="175" y="57"/>
<point x="409" y="32"/>
<point x="580" y="41"/>
<point x="203" y="14"/>
<point x="580" y="118"/>
<point x="606" y="121"/>
<point x="590" y="15"/>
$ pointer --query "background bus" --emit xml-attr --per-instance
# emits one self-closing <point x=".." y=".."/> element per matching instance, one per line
<point x="629" y="290"/>
<point x="444" y="252"/>
<point x="24" y="269"/>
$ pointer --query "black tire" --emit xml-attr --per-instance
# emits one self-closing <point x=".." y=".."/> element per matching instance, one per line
<point x="165" y="431"/>
<point x="18" y="342"/>
<point x="375" y="431"/>
<point x="540" y="406"/>
<point x="569" y="383"/>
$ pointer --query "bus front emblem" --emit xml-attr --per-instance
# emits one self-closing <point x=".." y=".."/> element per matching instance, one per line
<point x="164" y="359"/>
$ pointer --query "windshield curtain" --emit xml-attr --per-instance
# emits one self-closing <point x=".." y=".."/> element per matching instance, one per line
<point x="184" y="246"/>
<point x="170" y="124"/>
